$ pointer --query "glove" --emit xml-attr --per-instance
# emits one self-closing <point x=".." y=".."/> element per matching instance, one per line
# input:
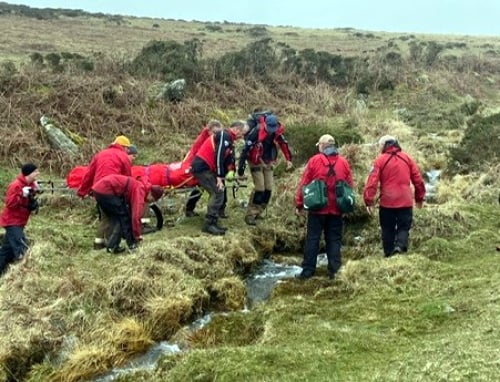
<point x="26" y="191"/>
<point x="230" y="176"/>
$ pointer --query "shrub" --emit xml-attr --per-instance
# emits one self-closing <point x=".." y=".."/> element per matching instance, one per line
<point x="479" y="146"/>
<point x="303" y="137"/>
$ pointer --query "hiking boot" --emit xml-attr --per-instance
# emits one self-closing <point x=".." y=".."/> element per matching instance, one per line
<point x="213" y="229"/>
<point x="250" y="220"/>
<point x="115" y="250"/>
<point x="331" y="275"/>
<point x="98" y="246"/>
<point x="304" y="275"/>
<point x="191" y="214"/>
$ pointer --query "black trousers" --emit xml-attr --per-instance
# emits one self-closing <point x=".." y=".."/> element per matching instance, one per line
<point x="118" y="212"/>
<point x="395" y="224"/>
<point x="14" y="246"/>
<point x="331" y="226"/>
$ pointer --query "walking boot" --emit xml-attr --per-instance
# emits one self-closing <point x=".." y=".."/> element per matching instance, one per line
<point x="212" y="228"/>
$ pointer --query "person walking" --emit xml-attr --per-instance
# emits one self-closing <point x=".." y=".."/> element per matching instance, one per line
<point x="112" y="160"/>
<point x="394" y="172"/>
<point x="123" y="198"/>
<point x="210" y="166"/>
<point x="260" y="151"/>
<point x="20" y="202"/>
<point x="329" y="166"/>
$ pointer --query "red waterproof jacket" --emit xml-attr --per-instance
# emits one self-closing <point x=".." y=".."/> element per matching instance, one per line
<point x="215" y="151"/>
<point x="133" y="191"/>
<point x="395" y="171"/>
<point x="319" y="167"/>
<point x="15" y="211"/>
<point x="112" y="160"/>
<point x="202" y="137"/>
<point x="261" y="146"/>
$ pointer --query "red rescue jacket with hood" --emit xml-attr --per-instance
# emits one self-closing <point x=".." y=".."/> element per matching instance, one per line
<point x="112" y="160"/>
<point x="15" y="211"/>
<point x="395" y="172"/>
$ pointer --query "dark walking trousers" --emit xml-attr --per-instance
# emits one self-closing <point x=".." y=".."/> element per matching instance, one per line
<point x="331" y="226"/>
<point x="14" y="246"/>
<point x="395" y="224"/>
<point x="118" y="212"/>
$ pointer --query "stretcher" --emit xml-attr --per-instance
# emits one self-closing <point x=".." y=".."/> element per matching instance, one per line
<point x="175" y="178"/>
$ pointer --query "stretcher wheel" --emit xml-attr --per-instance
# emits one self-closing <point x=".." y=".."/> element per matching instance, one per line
<point x="156" y="217"/>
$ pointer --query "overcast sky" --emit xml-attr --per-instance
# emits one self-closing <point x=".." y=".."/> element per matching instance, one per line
<point x="473" y="17"/>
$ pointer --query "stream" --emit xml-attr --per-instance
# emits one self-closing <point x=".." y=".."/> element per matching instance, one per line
<point x="259" y="285"/>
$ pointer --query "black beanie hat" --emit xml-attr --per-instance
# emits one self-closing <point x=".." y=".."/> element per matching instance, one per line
<point x="28" y="168"/>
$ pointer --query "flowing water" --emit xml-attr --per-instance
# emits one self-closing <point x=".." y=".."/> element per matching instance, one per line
<point x="259" y="285"/>
<point x="431" y="185"/>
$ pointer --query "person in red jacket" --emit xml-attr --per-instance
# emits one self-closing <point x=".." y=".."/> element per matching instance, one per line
<point x="212" y="127"/>
<point x="394" y="171"/>
<point x="112" y="160"/>
<point x="210" y="166"/>
<point x="123" y="198"/>
<point x="329" y="167"/>
<point x="19" y="204"/>
<point x="261" y="152"/>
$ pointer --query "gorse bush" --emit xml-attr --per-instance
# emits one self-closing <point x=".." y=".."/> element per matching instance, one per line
<point x="168" y="60"/>
<point x="479" y="146"/>
<point x="303" y="137"/>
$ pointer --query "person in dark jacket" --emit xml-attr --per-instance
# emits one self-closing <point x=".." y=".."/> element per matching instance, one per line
<point x="112" y="160"/>
<point x="123" y="199"/>
<point x="329" y="167"/>
<point x="261" y="152"/>
<point x="210" y="166"/>
<point x="19" y="204"/>
<point x="212" y="127"/>
<point x="394" y="172"/>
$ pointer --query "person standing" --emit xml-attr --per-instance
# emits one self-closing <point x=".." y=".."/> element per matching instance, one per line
<point x="261" y="151"/>
<point x="210" y="166"/>
<point x="329" y="167"/>
<point x="212" y="127"/>
<point x="123" y="198"/>
<point x="112" y="160"/>
<point x="394" y="172"/>
<point x="20" y="202"/>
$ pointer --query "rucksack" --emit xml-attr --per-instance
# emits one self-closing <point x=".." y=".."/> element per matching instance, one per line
<point x="344" y="194"/>
<point x="315" y="195"/>
<point x="256" y="117"/>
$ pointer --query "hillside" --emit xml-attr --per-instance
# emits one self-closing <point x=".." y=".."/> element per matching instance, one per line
<point x="70" y="313"/>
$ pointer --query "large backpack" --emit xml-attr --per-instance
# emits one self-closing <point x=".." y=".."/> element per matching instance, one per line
<point x="256" y="117"/>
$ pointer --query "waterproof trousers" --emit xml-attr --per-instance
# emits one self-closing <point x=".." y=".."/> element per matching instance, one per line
<point x="395" y="224"/>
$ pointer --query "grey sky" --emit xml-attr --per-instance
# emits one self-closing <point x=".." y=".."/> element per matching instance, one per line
<point x="474" y="17"/>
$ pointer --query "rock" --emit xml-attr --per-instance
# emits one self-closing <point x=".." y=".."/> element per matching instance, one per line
<point x="57" y="138"/>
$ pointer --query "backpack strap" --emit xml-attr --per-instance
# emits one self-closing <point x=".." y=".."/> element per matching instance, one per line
<point x="392" y="155"/>
<point x="326" y="161"/>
